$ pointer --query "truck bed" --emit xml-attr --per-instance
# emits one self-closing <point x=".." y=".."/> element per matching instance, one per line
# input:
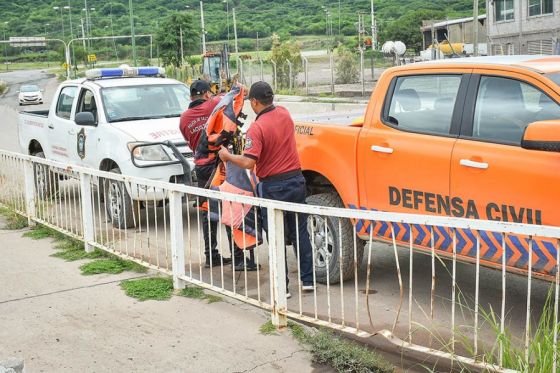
<point x="37" y="113"/>
<point x="331" y="117"/>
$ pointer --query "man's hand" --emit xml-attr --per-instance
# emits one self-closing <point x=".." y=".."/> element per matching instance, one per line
<point x="239" y="160"/>
<point x="224" y="154"/>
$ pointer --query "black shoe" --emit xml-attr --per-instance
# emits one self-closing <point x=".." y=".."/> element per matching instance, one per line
<point x="240" y="266"/>
<point x="217" y="261"/>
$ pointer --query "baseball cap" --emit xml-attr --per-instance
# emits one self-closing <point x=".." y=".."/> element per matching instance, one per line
<point x="261" y="90"/>
<point x="199" y="87"/>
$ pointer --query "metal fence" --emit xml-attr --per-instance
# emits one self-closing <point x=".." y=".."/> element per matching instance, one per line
<point x="429" y="303"/>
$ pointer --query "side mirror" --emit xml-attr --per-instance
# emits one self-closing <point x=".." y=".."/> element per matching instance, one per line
<point x="544" y="136"/>
<point x="85" y="118"/>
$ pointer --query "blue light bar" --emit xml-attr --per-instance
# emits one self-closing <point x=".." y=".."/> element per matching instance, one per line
<point x="124" y="71"/>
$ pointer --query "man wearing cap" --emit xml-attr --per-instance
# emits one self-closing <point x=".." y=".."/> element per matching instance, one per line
<point x="192" y="123"/>
<point x="271" y="147"/>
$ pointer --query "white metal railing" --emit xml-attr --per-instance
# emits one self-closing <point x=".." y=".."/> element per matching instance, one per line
<point x="420" y="302"/>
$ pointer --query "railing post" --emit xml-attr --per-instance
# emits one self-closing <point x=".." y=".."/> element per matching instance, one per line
<point x="331" y="66"/>
<point x="29" y="180"/>
<point x="177" y="239"/>
<point x="87" y="211"/>
<point x="277" y="265"/>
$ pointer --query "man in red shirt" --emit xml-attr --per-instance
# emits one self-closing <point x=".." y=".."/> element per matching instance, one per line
<point x="271" y="147"/>
<point x="192" y="123"/>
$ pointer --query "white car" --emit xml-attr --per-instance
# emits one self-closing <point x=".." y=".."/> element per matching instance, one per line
<point x="30" y="95"/>
<point x="98" y="121"/>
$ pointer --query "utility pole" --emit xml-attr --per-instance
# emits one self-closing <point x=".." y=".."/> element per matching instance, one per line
<point x="475" y="27"/>
<point x="83" y="35"/>
<point x="202" y="25"/>
<point x="132" y="32"/>
<point x="235" y="31"/>
<point x="182" y="51"/>
<point x="373" y="28"/>
<point x="338" y="17"/>
<point x="87" y="23"/>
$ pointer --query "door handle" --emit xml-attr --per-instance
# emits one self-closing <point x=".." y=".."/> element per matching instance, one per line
<point x="473" y="164"/>
<point x="71" y="132"/>
<point x="51" y="126"/>
<point x="381" y="149"/>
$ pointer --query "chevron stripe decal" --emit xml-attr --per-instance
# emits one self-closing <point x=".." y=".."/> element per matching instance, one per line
<point x="517" y="247"/>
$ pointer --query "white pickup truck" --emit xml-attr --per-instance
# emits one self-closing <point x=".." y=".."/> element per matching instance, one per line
<point x="99" y="120"/>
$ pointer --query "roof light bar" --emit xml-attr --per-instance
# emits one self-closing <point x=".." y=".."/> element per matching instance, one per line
<point x="124" y="71"/>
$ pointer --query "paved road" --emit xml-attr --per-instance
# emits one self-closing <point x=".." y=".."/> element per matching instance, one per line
<point x="384" y="298"/>
<point x="60" y="321"/>
<point x="9" y="102"/>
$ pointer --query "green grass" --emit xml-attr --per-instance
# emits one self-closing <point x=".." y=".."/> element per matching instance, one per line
<point x="343" y="355"/>
<point x="195" y="292"/>
<point x="14" y="220"/>
<point x="268" y="328"/>
<point x="155" y="288"/>
<point x="3" y="86"/>
<point x="112" y="266"/>
<point x="71" y="255"/>
<point x="40" y="232"/>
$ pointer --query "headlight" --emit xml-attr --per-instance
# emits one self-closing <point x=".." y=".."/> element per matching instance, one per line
<point x="148" y="152"/>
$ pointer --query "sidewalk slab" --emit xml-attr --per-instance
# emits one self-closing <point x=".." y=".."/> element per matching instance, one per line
<point x="58" y="320"/>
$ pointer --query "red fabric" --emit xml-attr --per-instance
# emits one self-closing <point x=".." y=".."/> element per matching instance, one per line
<point x="271" y="142"/>
<point x="194" y="120"/>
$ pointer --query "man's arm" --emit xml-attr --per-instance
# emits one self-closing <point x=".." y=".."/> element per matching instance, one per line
<point x="238" y="160"/>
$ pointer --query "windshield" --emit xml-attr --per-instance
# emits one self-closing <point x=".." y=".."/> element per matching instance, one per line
<point x="555" y="77"/>
<point x="145" y="102"/>
<point x="29" y="88"/>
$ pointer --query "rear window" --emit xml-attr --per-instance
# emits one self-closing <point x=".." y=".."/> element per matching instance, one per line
<point x="555" y="77"/>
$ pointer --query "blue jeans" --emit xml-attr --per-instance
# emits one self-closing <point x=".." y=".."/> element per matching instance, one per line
<point x="291" y="190"/>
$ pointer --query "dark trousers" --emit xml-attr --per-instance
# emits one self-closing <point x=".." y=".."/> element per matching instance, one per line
<point x="209" y="227"/>
<point x="292" y="190"/>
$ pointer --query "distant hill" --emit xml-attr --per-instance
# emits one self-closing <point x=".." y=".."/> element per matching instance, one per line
<point x="287" y="17"/>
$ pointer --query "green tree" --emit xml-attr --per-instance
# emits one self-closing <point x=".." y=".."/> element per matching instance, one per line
<point x="346" y="66"/>
<point x="281" y="53"/>
<point x="168" y="38"/>
<point x="407" y="28"/>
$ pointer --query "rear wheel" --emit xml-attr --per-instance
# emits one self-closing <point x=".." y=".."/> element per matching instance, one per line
<point x="334" y="245"/>
<point x="118" y="203"/>
<point x="46" y="181"/>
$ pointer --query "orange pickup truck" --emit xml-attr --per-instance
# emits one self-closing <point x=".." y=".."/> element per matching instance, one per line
<point x="473" y="138"/>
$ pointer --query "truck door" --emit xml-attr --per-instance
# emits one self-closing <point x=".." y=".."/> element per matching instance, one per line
<point x="60" y="125"/>
<point x="82" y="141"/>
<point x="504" y="181"/>
<point x="404" y="155"/>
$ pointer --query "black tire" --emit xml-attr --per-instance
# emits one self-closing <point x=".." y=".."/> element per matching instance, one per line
<point x="46" y="181"/>
<point x="330" y="253"/>
<point x="118" y="204"/>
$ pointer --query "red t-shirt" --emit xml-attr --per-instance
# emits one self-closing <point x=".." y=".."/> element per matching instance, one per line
<point x="271" y="142"/>
<point x="193" y="120"/>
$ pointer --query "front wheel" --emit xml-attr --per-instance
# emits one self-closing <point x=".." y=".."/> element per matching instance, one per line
<point x="118" y="203"/>
<point x="333" y="242"/>
<point x="46" y="181"/>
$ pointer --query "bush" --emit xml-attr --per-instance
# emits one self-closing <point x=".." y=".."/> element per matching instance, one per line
<point x="281" y="52"/>
<point x="346" y="66"/>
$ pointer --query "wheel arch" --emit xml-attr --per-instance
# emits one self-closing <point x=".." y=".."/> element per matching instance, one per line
<point x="107" y="164"/>
<point x="34" y="147"/>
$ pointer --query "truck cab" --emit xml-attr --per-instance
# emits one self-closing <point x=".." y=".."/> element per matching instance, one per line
<point x="474" y="138"/>
<point x="97" y="121"/>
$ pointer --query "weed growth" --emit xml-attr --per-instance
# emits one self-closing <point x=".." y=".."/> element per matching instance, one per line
<point x="341" y="354"/>
<point x="112" y="265"/>
<point x="155" y="288"/>
<point x="14" y="221"/>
